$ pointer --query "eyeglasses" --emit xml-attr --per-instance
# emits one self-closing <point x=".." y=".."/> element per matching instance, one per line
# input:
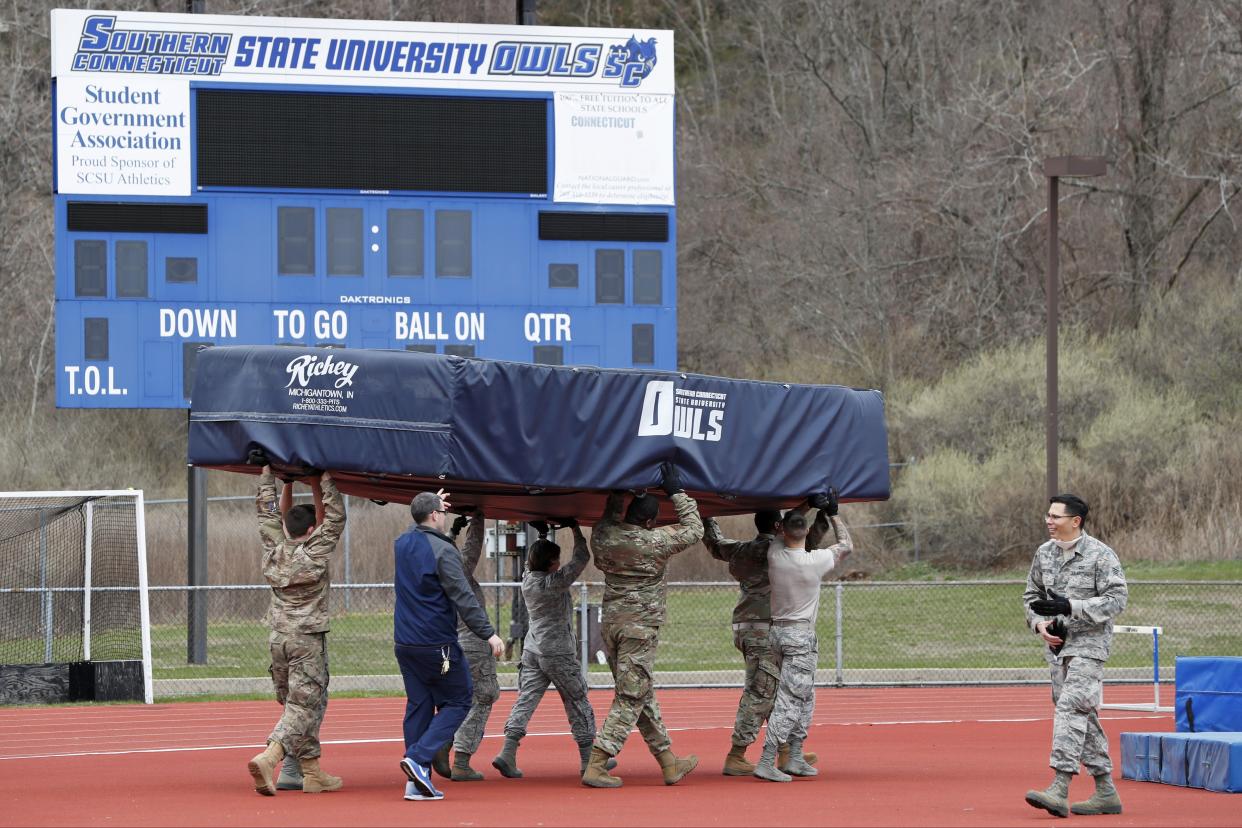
<point x="1051" y="516"/>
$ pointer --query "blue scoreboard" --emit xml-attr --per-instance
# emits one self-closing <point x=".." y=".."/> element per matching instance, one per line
<point x="492" y="191"/>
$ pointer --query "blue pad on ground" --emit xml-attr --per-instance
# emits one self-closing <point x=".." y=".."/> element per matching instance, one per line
<point x="1140" y="756"/>
<point x="1197" y="760"/>
<point x="1211" y="687"/>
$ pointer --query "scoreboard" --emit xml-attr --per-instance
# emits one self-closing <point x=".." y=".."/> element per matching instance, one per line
<point x="492" y="191"/>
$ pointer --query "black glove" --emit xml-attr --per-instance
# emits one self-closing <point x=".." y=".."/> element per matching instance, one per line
<point x="458" y="525"/>
<point x="257" y="457"/>
<point x="568" y="523"/>
<point x="1057" y="628"/>
<point x="670" y="480"/>
<point x="540" y="526"/>
<point x="1052" y="605"/>
<point x="825" y="501"/>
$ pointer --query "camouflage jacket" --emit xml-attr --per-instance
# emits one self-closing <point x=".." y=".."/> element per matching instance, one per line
<point x="471" y="551"/>
<point x="549" y="605"/>
<point x="1092" y="579"/>
<point x="633" y="560"/>
<point x="297" y="572"/>
<point x="748" y="564"/>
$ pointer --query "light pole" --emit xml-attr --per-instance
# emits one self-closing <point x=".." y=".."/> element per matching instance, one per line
<point x="1065" y="166"/>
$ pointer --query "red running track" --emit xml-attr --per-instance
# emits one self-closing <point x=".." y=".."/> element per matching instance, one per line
<point x="959" y="756"/>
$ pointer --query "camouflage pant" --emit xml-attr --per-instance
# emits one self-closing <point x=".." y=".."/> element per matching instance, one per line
<point x="631" y="650"/>
<point x="1076" y="732"/>
<point x="534" y="674"/>
<point x="486" y="691"/>
<point x="763" y="673"/>
<point x="300" y="675"/>
<point x="797" y="650"/>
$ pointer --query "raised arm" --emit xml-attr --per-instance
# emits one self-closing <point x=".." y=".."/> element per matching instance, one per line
<point x="612" y="507"/>
<point x="689" y="528"/>
<point x="569" y="573"/>
<point x="472" y="546"/>
<point x="329" y="532"/>
<point x="828" y="505"/>
<point x="271" y="529"/>
<point x="720" y="547"/>
<point x="317" y="495"/>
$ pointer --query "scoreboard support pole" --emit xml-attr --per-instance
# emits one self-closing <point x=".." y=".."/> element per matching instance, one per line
<point x="196" y="566"/>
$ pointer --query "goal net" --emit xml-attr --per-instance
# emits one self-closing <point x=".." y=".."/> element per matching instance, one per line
<point x="73" y="579"/>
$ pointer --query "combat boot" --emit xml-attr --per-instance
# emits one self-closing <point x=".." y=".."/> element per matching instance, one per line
<point x="290" y="775"/>
<point x="316" y="780"/>
<point x="596" y="774"/>
<point x="506" y="762"/>
<point x="782" y="757"/>
<point x="462" y="772"/>
<point x="440" y="762"/>
<point x="584" y="753"/>
<point x="675" y="769"/>
<point x="1104" y="801"/>
<point x="766" y="769"/>
<point x="1055" y="798"/>
<point x="736" y="764"/>
<point x="795" y="764"/>
<point x="264" y="765"/>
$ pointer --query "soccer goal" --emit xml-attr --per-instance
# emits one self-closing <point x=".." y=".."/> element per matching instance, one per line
<point x="1154" y="706"/>
<point x="74" y="615"/>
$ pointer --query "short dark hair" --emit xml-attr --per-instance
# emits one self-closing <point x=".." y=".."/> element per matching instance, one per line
<point x="541" y="555"/>
<point x="423" y="504"/>
<point x="1075" y="506"/>
<point x="794" y="520"/>
<point x="642" y="509"/>
<point x="298" y="519"/>
<point x="766" y="520"/>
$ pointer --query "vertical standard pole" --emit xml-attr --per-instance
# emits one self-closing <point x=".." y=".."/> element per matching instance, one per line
<point x="584" y="636"/>
<point x="144" y="605"/>
<point x="1155" y="664"/>
<point x="86" y="582"/>
<point x="47" y="591"/>
<point x="345" y="540"/>
<point x="196" y="567"/>
<point x="1052" y="288"/>
<point x="840" y="615"/>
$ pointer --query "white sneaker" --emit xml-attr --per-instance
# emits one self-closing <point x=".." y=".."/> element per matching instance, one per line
<point x="412" y="792"/>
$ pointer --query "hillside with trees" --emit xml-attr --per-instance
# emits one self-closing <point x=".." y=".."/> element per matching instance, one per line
<point x="861" y="202"/>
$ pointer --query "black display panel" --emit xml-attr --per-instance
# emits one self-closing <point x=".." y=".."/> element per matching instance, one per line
<point x="616" y="227"/>
<point x="320" y="140"/>
<point x="135" y="217"/>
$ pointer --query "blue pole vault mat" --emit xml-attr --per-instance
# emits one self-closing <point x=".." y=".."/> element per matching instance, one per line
<point x="1209" y="694"/>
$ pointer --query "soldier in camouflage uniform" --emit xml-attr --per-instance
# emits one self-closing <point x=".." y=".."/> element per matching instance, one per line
<point x="752" y="617"/>
<point x="482" y="664"/>
<point x="1077" y="581"/>
<point x="795" y="571"/>
<point x="296" y="553"/>
<point x="633" y="556"/>
<point x="549" y="653"/>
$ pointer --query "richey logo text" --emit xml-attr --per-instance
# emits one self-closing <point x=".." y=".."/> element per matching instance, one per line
<point x="682" y="412"/>
<point x="303" y="369"/>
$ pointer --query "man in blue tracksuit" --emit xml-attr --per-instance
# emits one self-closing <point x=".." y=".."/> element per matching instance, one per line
<point x="432" y="590"/>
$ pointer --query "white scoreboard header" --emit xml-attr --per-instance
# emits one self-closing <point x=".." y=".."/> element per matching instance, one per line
<point x="123" y="89"/>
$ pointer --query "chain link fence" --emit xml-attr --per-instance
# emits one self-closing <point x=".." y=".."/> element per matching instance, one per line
<point x="875" y="632"/>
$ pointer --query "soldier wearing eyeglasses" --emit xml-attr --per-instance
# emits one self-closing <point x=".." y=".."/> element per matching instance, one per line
<point x="1077" y="581"/>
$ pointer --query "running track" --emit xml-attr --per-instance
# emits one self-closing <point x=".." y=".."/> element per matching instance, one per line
<point x="890" y="756"/>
